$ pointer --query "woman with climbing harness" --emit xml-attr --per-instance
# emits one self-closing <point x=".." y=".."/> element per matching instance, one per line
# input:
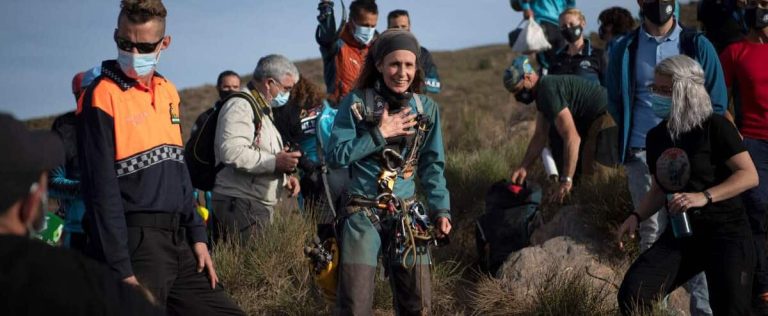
<point x="387" y="134"/>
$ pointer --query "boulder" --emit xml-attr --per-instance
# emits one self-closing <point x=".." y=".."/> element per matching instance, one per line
<point x="527" y="268"/>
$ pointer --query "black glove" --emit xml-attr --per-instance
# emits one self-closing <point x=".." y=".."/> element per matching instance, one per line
<point x="307" y="165"/>
<point x="325" y="8"/>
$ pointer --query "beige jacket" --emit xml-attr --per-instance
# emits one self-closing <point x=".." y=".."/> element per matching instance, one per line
<point x="249" y="161"/>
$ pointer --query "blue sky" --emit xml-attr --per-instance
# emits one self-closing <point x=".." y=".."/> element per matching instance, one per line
<point x="45" y="42"/>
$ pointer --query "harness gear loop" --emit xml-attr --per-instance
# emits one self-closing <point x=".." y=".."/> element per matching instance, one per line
<point x="390" y="163"/>
<point x="413" y="227"/>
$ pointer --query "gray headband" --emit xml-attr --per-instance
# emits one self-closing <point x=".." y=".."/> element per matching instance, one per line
<point x="392" y="40"/>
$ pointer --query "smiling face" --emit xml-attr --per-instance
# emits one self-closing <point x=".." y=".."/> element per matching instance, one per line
<point x="398" y="69"/>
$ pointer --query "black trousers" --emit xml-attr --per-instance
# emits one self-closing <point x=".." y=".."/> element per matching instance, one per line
<point x="670" y="262"/>
<point x="164" y="262"/>
<point x="242" y="217"/>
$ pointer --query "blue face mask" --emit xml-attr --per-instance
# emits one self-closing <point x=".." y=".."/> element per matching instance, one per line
<point x="280" y="99"/>
<point x="662" y="105"/>
<point x="137" y="65"/>
<point x="364" y="34"/>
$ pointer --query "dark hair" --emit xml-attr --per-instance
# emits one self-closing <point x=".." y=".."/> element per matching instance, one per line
<point x="306" y="94"/>
<point x="396" y="14"/>
<point x="371" y="74"/>
<point x="620" y="20"/>
<point x="357" y="6"/>
<point x="224" y="74"/>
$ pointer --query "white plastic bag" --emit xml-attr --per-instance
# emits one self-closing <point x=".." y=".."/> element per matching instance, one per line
<point x="531" y="39"/>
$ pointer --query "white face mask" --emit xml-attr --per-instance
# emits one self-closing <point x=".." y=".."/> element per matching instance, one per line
<point x="137" y="65"/>
<point x="280" y="99"/>
<point x="363" y="34"/>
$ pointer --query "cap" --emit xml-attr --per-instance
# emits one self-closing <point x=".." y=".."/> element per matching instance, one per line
<point x="77" y="83"/>
<point x="84" y="79"/>
<point x="90" y="75"/>
<point x="515" y="72"/>
<point x="26" y="155"/>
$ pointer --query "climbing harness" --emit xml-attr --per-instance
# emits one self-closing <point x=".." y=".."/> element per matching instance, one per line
<point x="409" y="219"/>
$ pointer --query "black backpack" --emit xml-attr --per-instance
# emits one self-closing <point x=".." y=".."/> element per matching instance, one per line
<point x="511" y="215"/>
<point x="199" y="151"/>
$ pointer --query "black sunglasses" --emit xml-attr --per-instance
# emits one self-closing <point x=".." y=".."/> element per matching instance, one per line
<point x="143" y="48"/>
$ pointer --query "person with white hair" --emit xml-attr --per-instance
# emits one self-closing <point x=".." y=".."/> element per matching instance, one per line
<point x="699" y="167"/>
<point x="255" y="163"/>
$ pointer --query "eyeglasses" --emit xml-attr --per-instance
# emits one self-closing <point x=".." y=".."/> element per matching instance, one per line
<point x="660" y="90"/>
<point x="286" y="89"/>
<point x="143" y="48"/>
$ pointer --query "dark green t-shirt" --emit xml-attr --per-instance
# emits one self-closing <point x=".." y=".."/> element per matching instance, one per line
<point x="585" y="99"/>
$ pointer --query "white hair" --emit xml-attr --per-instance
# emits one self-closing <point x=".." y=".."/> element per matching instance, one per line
<point x="275" y="66"/>
<point x="691" y="104"/>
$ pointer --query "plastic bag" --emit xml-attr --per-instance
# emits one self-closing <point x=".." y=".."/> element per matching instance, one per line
<point x="531" y="38"/>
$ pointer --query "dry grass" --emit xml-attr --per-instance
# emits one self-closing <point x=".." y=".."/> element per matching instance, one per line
<point x="485" y="133"/>
<point x="493" y="297"/>
<point x="269" y="275"/>
<point x="570" y="293"/>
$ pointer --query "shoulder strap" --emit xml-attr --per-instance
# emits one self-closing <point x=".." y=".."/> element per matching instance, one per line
<point x="419" y="105"/>
<point x="688" y="42"/>
<point x="247" y="97"/>
<point x="369" y="105"/>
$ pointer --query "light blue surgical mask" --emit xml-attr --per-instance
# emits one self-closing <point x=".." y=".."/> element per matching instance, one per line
<point x="280" y="99"/>
<point x="364" y="34"/>
<point x="137" y="65"/>
<point x="662" y="105"/>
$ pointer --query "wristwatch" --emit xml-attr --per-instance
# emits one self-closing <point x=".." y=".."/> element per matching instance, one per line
<point x="564" y="179"/>
<point x="708" y="196"/>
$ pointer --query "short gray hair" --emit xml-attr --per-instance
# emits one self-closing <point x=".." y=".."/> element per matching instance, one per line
<point x="691" y="104"/>
<point x="275" y="66"/>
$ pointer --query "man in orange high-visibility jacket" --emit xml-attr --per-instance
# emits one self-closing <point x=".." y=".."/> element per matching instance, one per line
<point x="140" y="212"/>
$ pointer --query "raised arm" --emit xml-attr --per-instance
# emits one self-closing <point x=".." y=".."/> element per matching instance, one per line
<point x="349" y="143"/>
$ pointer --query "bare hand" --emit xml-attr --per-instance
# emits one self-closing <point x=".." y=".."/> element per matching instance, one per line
<point x="293" y="186"/>
<point x="443" y="227"/>
<point x="204" y="262"/>
<point x="397" y="124"/>
<point x="627" y="228"/>
<point x="682" y="202"/>
<point x="528" y="14"/>
<point x="287" y="161"/>
<point x="518" y="176"/>
<point x="131" y="280"/>
<point x="562" y="192"/>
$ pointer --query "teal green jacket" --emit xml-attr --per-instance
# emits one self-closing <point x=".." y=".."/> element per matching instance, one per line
<point x="356" y="145"/>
